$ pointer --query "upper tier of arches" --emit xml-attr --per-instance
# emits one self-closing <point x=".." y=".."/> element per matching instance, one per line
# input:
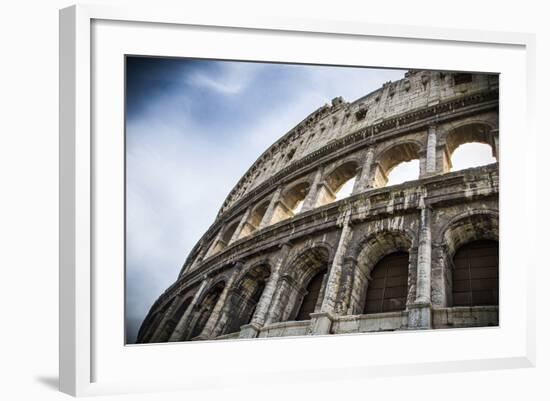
<point x="417" y="90"/>
<point x="424" y="153"/>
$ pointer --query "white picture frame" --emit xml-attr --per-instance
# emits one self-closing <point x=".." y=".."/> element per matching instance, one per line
<point x="93" y="357"/>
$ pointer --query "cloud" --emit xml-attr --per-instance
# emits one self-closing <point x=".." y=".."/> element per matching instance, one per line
<point x="230" y="78"/>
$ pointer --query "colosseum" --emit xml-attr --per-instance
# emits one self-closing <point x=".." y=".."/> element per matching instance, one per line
<point x="288" y="255"/>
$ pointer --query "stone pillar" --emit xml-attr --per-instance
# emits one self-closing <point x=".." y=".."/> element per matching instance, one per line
<point x="348" y="272"/>
<point x="210" y="327"/>
<point x="311" y="198"/>
<point x="434" y="90"/>
<point x="243" y="221"/>
<point x="321" y="322"/>
<point x="260" y="315"/>
<point x="363" y="182"/>
<point x="439" y="282"/>
<point x="278" y="303"/>
<point x="420" y="310"/>
<point x="181" y="327"/>
<point x="431" y="150"/>
<point x="268" y="216"/>
<point x="495" y="144"/>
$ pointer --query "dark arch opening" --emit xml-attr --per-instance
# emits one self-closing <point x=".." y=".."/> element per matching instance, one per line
<point x="205" y="311"/>
<point x="387" y="290"/>
<point x="475" y="274"/>
<point x="174" y="320"/>
<point x="244" y="299"/>
<point x="312" y="295"/>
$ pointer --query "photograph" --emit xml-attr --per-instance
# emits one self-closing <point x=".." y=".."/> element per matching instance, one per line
<point x="269" y="199"/>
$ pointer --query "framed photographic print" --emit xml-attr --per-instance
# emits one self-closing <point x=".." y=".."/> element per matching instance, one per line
<point x="243" y="193"/>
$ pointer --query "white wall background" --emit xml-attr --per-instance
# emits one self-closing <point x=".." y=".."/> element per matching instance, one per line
<point x="29" y="185"/>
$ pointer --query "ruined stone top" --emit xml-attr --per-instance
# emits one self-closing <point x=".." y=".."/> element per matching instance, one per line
<point x="418" y="89"/>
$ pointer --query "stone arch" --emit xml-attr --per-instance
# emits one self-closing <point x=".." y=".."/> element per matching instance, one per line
<point x="305" y="264"/>
<point x="379" y="244"/>
<point x="244" y="295"/>
<point x="228" y="232"/>
<point x="468" y="226"/>
<point x="365" y="256"/>
<point x="464" y="228"/>
<point x="291" y="199"/>
<point x="333" y="181"/>
<point x="392" y="155"/>
<point x="296" y="275"/>
<point x="223" y="238"/>
<point x="255" y="218"/>
<point x="471" y="131"/>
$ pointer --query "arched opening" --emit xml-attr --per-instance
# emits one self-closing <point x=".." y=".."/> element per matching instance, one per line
<point x="475" y="274"/>
<point x="255" y="219"/>
<point x="397" y="165"/>
<point x="470" y="155"/>
<point x="171" y="324"/>
<point x="301" y="288"/>
<point x="206" y="309"/>
<point x="225" y="239"/>
<point x="470" y="228"/>
<point x="312" y="296"/>
<point x="290" y="203"/>
<point x="338" y="184"/>
<point x="244" y="299"/>
<point x="387" y="290"/>
<point x="403" y="172"/>
<point x="380" y="273"/>
<point x="228" y="233"/>
<point x="470" y="145"/>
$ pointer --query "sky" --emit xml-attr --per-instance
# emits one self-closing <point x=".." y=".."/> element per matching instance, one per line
<point x="193" y="128"/>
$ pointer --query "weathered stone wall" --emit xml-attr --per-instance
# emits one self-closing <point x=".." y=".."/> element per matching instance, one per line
<point x="252" y="267"/>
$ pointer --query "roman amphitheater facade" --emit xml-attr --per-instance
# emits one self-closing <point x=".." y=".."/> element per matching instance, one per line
<point x="286" y="256"/>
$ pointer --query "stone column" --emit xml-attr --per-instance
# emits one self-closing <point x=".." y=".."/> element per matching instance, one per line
<point x="268" y="216"/>
<point x="431" y="150"/>
<point x="224" y="314"/>
<point x="495" y="144"/>
<point x="348" y="272"/>
<point x="321" y="322"/>
<point x="363" y="182"/>
<point x="181" y="327"/>
<point x="239" y="228"/>
<point x="278" y="303"/>
<point x="210" y="326"/>
<point x="311" y="198"/>
<point x="420" y="311"/>
<point x="260" y="314"/>
<point x="434" y="91"/>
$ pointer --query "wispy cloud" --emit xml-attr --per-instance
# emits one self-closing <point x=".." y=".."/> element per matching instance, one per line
<point x="229" y="79"/>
